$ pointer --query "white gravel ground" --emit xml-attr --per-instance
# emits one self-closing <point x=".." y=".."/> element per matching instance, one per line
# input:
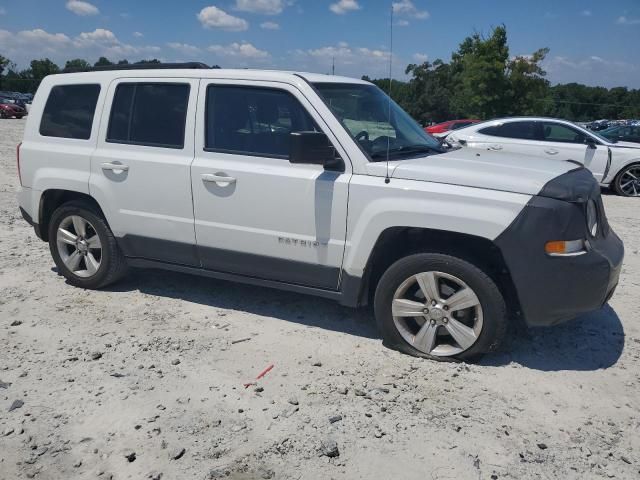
<point x="560" y="403"/>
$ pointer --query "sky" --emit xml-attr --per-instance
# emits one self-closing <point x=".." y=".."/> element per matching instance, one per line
<point x="594" y="42"/>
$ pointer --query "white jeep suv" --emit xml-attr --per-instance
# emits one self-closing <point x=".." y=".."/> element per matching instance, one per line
<point x="315" y="184"/>
<point x="614" y="164"/>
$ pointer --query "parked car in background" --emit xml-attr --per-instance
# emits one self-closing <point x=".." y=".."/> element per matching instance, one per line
<point x="615" y="164"/>
<point x="9" y="110"/>
<point x="442" y="129"/>
<point x="624" y="133"/>
<point x="598" y="125"/>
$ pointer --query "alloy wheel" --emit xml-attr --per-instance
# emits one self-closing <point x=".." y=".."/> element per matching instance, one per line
<point x="437" y="313"/>
<point x="79" y="246"/>
<point x="630" y="181"/>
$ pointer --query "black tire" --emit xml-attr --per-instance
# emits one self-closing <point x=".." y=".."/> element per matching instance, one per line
<point x="112" y="264"/>
<point x="616" y="181"/>
<point x="495" y="322"/>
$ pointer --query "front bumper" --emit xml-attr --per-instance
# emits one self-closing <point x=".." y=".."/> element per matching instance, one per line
<point x="551" y="290"/>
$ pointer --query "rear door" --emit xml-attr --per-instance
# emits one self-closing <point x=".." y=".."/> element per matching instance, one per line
<point x="140" y="170"/>
<point x="256" y="214"/>
<point x="563" y="142"/>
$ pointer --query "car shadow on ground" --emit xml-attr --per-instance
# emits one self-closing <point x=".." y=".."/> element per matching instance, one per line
<point x="268" y="302"/>
<point x="591" y="342"/>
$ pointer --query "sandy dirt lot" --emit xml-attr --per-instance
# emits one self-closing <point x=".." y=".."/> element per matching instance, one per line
<point x="144" y="380"/>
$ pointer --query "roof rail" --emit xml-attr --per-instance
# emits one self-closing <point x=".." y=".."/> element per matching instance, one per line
<point x="140" y="66"/>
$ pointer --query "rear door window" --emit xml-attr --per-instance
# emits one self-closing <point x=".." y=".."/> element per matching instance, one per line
<point x="151" y="114"/>
<point x="69" y="111"/>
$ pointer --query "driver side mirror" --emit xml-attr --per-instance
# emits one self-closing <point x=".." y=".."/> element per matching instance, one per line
<point x="314" y="148"/>
<point x="591" y="143"/>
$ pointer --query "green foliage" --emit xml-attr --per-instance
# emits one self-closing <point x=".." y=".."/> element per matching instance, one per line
<point x="479" y="71"/>
<point x="77" y="64"/>
<point x="103" y="62"/>
<point x="483" y="81"/>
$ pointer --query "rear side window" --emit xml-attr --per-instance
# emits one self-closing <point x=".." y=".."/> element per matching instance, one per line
<point x="69" y="111"/>
<point x="152" y="114"/>
<point x="253" y="121"/>
<point x="522" y="130"/>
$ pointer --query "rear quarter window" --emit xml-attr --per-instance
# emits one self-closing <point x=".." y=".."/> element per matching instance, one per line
<point x="69" y="111"/>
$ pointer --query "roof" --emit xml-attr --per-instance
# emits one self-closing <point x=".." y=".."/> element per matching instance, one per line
<point x="221" y="73"/>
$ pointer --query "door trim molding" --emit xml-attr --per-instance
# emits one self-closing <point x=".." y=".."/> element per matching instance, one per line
<point x="230" y="262"/>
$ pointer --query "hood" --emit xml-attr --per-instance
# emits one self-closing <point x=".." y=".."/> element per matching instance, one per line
<point x="625" y="145"/>
<point x="507" y="172"/>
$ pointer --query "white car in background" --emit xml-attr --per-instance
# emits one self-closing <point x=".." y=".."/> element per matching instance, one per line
<point x="613" y="164"/>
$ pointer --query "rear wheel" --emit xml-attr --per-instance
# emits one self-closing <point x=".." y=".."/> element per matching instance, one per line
<point x="439" y="306"/>
<point x="627" y="182"/>
<point x="83" y="246"/>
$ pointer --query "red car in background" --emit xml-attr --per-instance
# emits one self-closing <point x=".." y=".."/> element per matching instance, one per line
<point x="8" y="110"/>
<point x="441" y="129"/>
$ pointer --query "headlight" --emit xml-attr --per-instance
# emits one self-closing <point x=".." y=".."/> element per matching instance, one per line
<point x="592" y="218"/>
<point x="453" y="142"/>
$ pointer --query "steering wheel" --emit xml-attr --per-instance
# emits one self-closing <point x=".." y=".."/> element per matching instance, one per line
<point x="382" y="142"/>
<point x="363" y="135"/>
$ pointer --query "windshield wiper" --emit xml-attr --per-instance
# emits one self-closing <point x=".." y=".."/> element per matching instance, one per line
<point x="406" y="149"/>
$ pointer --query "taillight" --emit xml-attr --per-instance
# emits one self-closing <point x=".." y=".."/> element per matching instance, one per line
<point x="18" y="162"/>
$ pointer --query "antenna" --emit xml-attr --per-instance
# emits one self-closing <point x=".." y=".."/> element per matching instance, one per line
<point x="386" y="178"/>
<point x="333" y="65"/>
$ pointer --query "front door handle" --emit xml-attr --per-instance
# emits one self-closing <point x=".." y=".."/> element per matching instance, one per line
<point x="551" y="151"/>
<point x="218" y="178"/>
<point x="495" y="147"/>
<point x="114" y="166"/>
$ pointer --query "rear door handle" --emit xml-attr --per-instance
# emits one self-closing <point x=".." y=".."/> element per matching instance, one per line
<point x="114" y="166"/>
<point x="551" y="151"/>
<point x="495" y="147"/>
<point x="218" y="178"/>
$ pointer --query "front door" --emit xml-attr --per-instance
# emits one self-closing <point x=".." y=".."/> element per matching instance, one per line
<point x="562" y="142"/>
<point x="256" y="214"/>
<point x="140" y="170"/>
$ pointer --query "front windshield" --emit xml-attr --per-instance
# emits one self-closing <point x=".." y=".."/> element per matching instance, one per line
<point x="377" y="125"/>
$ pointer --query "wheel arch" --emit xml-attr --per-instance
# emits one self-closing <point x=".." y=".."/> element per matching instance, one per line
<point x="395" y="243"/>
<point x="53" y="198"/>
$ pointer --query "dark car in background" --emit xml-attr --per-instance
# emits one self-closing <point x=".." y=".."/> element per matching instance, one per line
<point x="622" y="133"/>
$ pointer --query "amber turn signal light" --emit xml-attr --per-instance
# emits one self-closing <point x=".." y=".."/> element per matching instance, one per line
<point x="564" y="247"/>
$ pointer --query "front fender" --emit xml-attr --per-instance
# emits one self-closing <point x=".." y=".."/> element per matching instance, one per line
<point x="375" y="206"/>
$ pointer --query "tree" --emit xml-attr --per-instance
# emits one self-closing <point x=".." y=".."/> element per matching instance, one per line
<point x="103" y="62"/>
<point x="41" y="68"/>
<point x="4" y="63"/>
<point x="77" y="64"/>
<point x="479" y="74"/>
<point x="529" y="92"/>
<point x="430" y="92"/>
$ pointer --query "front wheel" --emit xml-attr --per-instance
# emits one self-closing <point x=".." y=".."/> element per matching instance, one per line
<point x="627" y="182"/>
<point x="83" y="246"/>
<point x="441" y="307"/>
